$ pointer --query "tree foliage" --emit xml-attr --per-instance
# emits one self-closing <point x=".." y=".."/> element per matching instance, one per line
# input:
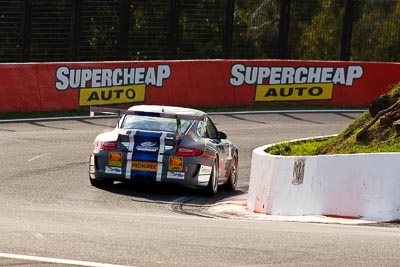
<point x="376" y="31"/>
<point x="319" y="36"/>
<point x="315" y="29"/>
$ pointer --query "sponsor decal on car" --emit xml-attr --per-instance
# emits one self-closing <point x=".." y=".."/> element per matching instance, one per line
<point x="294" y="83"/>
<point x="113" y="170"/>
<point x="145" y="166"/>
<point x="147" y="146"/>
<point x="176" y="175"/>
<point x="115" y="159"/>
<point x="204" y="174"/>
<point x="125" y="144"/>
<point x="175" y="164"/>
<point x="104" y="86"/>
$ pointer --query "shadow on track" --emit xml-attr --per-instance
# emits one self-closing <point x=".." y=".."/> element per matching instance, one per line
<point x="180" y="199"/>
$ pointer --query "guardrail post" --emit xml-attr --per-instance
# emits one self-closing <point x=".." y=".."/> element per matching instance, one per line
<point x="284" y="29"/>
<point x="123" y="36"/>
<point x="227" y="30"/>
<point x="75" y="29"/>
<point x="347" y="30"/>
<point x="26" y="30"/>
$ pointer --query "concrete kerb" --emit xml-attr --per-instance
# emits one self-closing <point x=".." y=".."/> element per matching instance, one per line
<point x="344" y="186"/>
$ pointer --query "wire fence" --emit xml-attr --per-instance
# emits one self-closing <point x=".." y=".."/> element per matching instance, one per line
<point x="106" y="30"/>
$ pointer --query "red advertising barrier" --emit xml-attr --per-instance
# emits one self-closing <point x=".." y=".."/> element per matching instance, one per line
<point x="67" y="86"/>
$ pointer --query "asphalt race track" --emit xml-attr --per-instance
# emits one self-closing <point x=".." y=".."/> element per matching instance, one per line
<point x="52" y="216"/>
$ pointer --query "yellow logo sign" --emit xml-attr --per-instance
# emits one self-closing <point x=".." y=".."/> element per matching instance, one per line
<point x="111" y="95"/>
<point x="288" y="92"/>
<point x="175" y="164"/>
<point x="287" y="83"/>
<point x="115" y="159"/>
<point x="144" y="166"/>
<point x="107" y="86"/>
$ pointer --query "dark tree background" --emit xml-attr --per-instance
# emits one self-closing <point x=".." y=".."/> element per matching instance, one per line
<point x="105" y="30"/>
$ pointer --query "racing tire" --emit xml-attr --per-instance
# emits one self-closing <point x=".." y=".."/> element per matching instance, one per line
<point x="212" y="187"/>
<point x="234" y="174"/>
<point x="101" y="183"/>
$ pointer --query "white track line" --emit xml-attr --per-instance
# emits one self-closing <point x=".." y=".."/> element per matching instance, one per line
<point x="38" y="157"/>
<point x="60" y="261"/>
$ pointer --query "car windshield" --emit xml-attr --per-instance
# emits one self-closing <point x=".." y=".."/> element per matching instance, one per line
<point x="153" y="123"/>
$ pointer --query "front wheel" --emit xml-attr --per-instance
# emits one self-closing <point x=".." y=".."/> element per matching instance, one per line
<point x="212" y="187"/>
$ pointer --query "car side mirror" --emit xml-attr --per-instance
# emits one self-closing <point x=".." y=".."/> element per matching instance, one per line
<point x="222" y="135"/>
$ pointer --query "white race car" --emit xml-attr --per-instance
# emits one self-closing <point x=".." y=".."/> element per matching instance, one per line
<point x="164" y="144"/>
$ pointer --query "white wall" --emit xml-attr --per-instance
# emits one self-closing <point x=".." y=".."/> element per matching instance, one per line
<point x="356" y="185"/>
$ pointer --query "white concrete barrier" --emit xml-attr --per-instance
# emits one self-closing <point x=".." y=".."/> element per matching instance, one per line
<point x="355" y="185"/>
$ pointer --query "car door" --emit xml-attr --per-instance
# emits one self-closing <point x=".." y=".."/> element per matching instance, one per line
<point x="221" y="145"/>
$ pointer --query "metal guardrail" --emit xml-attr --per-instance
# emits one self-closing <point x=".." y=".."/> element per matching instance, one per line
<point x="28" y="120"/>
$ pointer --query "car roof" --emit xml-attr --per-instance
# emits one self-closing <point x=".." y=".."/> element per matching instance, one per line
<point x="167" y="109"/>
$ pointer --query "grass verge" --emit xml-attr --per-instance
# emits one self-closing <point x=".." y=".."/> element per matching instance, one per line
<point x="379" y="138"/>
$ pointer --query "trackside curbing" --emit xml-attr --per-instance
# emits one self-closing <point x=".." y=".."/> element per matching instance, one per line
<point x="356" y="186"/>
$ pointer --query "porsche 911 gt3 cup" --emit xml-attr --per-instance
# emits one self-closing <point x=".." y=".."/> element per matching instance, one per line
<point x="164" y="144"/>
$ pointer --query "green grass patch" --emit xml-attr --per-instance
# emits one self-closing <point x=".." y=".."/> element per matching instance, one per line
<point x="377" y="139"/>
<point x="309" y="147"/>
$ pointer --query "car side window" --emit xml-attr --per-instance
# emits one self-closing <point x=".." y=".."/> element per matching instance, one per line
<point x="201" y="129"/>
<point x="212" y="131"/>
<point x="207" y="129"/>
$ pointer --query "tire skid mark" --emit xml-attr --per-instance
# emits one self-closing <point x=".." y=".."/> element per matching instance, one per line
<point x="179" y="206"/>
